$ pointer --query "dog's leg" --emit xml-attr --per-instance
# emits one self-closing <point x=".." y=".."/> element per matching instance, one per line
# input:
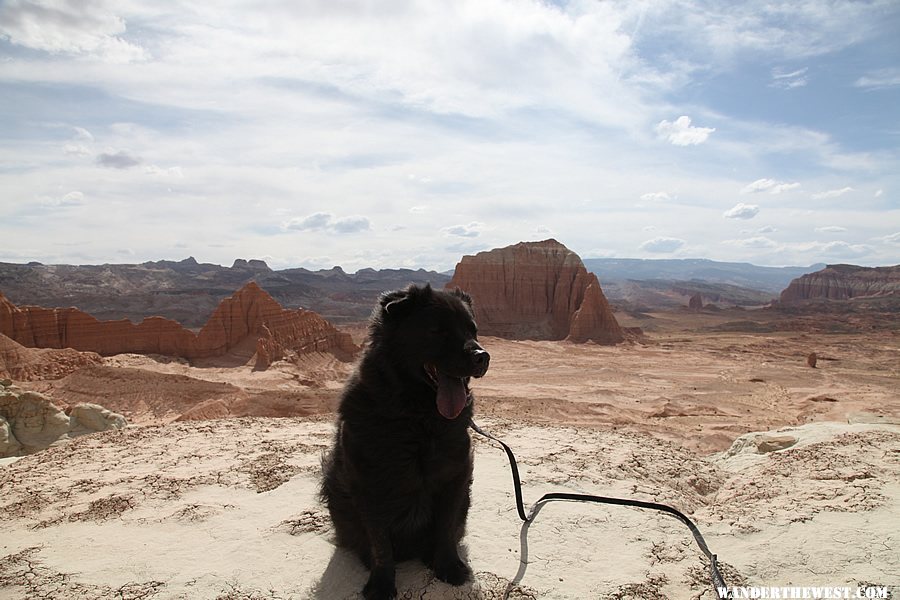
<point x="450" y="511"/>
<point x="382" y="582"/>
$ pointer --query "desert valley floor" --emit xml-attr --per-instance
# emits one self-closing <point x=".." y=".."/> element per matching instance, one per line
<point x="791" y="472"/>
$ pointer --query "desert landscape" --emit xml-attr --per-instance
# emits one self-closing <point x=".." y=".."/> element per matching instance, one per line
<point x="776" y="430"/>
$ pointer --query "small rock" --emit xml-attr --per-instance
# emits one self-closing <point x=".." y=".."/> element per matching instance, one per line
<point x="759" y="443"/>
<point x="772" y="443"/>
<point x="811" y="359"/>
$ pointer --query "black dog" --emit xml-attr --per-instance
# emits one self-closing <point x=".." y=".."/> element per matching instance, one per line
<point x="397" y="480"/>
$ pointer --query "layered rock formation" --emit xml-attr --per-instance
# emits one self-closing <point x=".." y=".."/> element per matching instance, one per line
<point x="30" y="364"/>
<point x="537" y="290"/>
<point x="250" y="315"/>
<point x="696" y="302"/>
<point x="29" y="421"/>
<point x="188" y="291"/>
<point x="844" y="282"/>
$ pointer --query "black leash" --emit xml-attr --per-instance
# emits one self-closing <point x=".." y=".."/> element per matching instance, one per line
<point x="715" y="575"/>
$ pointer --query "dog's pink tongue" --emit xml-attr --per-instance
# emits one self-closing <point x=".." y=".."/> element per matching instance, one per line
<point x="451" y="396"/>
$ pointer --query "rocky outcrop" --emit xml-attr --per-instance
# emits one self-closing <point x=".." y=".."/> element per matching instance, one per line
<point x="594" y="320"/>
<point x="34" y="421"/>
<point x="30" y="422"/>
<point x="253" y="264"/>
<point x="536" y="290"/>
<point x="89" y="418"/>
<point x="30" y="364"/>
<point x="248" y="314"/>
<point x="696" y="302"/>
<point x="844" y="282"/>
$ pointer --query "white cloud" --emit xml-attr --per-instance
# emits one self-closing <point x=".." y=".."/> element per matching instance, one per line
<point x="351" y="224"/>
<point x="76" y="150"/>
<point x="879" y="79"/>
<point x="831" y="193"/>
<point x="662" y="245"/>
<point x="681" y="133"/>
<point x="741" y="211"/>
<point x="831" y="229"/>
<point x="770" y="185"/>
<point x="756" y="243"/>
<point x="766" y="229"/>
<point x="73" y="198"/>
<point x="83" y="134"/>
<point x="174" y="172"/>
<point x="79" y="27"/>
<point x="117" y="159"/>
<point x="893" y="239"/>
<point x="783" y="30"/>
<point x="313" y="222"/>
<point x="657" y="196"/>
<point x="878" y="193"/>
<point x="471" y="230"/>
<point x="788" y="80"/>
<point x="323" y="221"/>
<point x="842" y="249"/>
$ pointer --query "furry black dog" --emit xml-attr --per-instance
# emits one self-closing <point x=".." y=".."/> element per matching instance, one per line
<point x="397" y="480"/>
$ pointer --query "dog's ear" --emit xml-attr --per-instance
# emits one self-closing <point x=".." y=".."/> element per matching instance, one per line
<point x="392" y="302"/>
<point x="400" y="302"/>
<point x="463" y="296"/>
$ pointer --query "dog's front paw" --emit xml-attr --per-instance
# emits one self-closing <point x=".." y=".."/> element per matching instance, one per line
<point x="380" y="586"/>
<point x="454" y="571"/>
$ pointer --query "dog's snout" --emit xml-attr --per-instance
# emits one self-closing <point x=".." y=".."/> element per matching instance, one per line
<point x="480" y="359"/>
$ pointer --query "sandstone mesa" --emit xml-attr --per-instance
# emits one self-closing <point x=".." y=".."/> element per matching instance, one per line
<point x="539" y="291"/>
<point x="844" y="282"/>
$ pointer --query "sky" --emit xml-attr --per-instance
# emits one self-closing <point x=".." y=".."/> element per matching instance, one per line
<point x="409" y="133"/>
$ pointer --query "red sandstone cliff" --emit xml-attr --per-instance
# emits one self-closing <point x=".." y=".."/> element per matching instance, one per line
<point x="844" y="282"/>
<point x="249" y="313"/>
<point x="536" y="290"/>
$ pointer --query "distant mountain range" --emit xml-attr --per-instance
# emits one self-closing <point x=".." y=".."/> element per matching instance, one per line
<point x="648" y="284"/>
<point x="188" y="291"/>
<point x="744" y="275"/>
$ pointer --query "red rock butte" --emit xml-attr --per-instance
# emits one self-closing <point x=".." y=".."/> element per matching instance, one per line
<point x="844" y="282"/>
<point x="250" y="317"/>
<point x="538" y="291"/>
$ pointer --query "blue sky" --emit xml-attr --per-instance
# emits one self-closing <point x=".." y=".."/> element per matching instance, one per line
<point x="403" y="133"/>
